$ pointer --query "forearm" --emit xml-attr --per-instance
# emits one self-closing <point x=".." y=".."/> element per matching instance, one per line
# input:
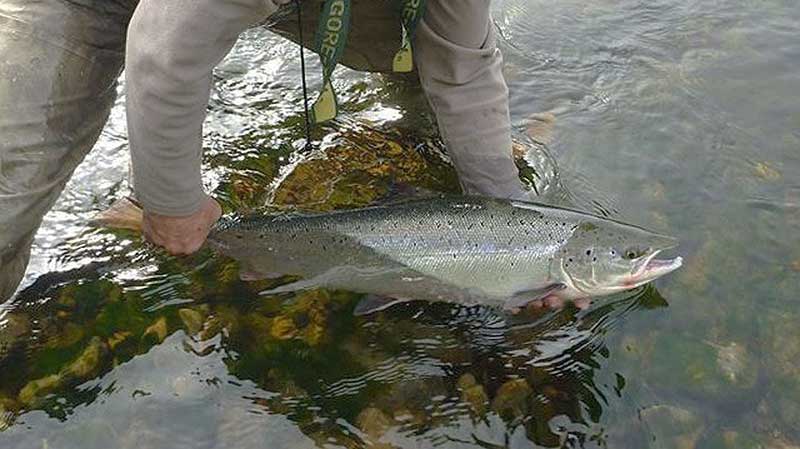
<point x="461" y="71"/>
<point x="172" y="48"/>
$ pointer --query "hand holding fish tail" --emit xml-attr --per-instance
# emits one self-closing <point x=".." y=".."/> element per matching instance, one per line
<point x="181" y="235"/>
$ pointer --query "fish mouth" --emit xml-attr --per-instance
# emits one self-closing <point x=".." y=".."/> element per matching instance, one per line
<point x="651" y="268"/>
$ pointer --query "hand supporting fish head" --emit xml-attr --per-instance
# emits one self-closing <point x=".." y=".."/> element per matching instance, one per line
<point x="603" y="257"/>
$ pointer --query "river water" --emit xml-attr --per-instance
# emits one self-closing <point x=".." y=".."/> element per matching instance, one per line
<point x="679" y="115"/>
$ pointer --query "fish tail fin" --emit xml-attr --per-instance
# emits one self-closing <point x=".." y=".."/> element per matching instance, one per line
<point x="123" y="214"/>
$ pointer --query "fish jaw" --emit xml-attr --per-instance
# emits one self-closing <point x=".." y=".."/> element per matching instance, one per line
<point x="651" y="269"/>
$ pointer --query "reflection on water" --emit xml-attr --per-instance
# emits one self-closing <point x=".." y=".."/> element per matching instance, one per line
<point x="116" y="363"/>
<point x="680" y="115"/>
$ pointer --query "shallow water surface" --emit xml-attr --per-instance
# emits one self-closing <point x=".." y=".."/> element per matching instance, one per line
<point x="679" y="115"/>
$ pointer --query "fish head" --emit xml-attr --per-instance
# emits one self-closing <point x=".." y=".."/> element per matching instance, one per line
<point x="603" y="257"/>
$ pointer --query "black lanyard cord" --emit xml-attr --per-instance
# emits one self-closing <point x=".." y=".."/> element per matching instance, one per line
<point x="303" y="70"/>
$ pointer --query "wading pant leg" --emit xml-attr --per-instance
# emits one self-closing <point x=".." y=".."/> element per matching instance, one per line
<point x="460" y="69"/>
<point x="59" y="62"/>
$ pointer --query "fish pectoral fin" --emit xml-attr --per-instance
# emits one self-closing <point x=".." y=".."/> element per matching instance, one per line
<point x="375" y="303"/>
<point x="522" y="299"/>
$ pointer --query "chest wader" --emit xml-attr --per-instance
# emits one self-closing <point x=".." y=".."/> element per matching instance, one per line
<point x="361" y="34"/>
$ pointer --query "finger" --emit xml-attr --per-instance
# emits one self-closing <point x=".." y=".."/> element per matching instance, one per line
<point x="535" y="305"/>
<point x="216" y="212"/>
<point x="583" y="303"/>
<point x="553" y="302"/>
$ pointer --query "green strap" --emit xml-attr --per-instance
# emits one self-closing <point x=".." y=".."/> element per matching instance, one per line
<point x="334" y="27"/>
<point x="412" y="12"/>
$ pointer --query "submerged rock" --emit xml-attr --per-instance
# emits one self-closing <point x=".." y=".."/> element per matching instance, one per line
<point x="38" y="388"/>
<point x="89" y="363"/>
<point x="373" y="422"/>
<point x="734" y="439"/>
<point x="765" y="171"/>
<point x="512" y="398"/>
<point x="12" y="328"/>
<point x="8" y="408"/>
<point x="704" y="369"/>
<point x="672" y="426"/>
<point x="158" y="330"/>
<point x="473" y="394"/>
<point x="192" y="320"/>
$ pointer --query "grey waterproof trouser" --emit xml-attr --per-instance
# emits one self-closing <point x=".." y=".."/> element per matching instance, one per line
<point x="59" y="64"/>
<point x="59" y="61"/>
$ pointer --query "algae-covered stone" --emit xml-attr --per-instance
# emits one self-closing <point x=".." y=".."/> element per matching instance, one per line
<point x="39" y="388"/>
<point x="722" y="371"/>
<point x="192" y="320"/>
<point x="473" y="394"/>
<point x="8" y="409"/>
<point x="733" y="439"/>
<point x="766" y="171"/>
<point x="373" y="422"/>
<point x="736" y="364"/>
<point x="89" y="363"/>
<point x="118" y="338"/>
<point x="477" y="399"/>
<point x="157" y="330"/>
<point x="14" y="326"/>
<point x="512" y="398"/>
<point x="673" y="427"/>
<point x="283" y="328"/>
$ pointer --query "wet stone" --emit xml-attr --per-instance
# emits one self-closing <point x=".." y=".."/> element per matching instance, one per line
<point x="707" y="370"/>
<point x="766" y="171"/>
<point x="732" y="439"/>
<point x="89" y="363"/>
<point x="512" y="398"/>
<point x="7" y="415"/>
<point x="38" y="388"/>
<point x="192" y="320"/>
<point x="373" y="422"/>
<point x="158" y="330"/>
<point x="283" y="328"/>
<point x="672" y="426"/>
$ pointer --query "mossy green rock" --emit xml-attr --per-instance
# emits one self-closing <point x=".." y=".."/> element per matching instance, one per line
<point x="7" y="414"/>
<point x="732" y="439"/>
<point x="89" y="363"/>
<point x="192" y="320"/>
<point x="373" y="422"/>
<point x="512" y="398"/>
<point x="703" y="369"/>
<point x="673" y="427"/>
<point x="38" y="388"/>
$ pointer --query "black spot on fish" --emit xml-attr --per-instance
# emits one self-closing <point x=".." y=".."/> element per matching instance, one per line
<point x="588" y="252"/>
<point x="594" y="259"/>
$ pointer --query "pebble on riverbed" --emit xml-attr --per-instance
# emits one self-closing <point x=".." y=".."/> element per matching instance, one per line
<point x="512" y="398"/>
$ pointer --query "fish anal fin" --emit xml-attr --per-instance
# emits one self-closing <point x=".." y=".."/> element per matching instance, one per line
<point x="375" y="303"/>
<point x="522" y="299"/>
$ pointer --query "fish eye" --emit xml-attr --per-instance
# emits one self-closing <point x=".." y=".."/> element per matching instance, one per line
<point x="632" y="253"/>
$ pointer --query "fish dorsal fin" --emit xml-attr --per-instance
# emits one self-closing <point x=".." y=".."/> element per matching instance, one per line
<point x="522" y="299"/>
<point x="375" y="303"/>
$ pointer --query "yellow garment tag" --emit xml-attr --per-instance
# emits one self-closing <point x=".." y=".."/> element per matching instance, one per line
<point x="403" y="61"/>
<point x="404" y="58"/>
<point x="325" y="107"/>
